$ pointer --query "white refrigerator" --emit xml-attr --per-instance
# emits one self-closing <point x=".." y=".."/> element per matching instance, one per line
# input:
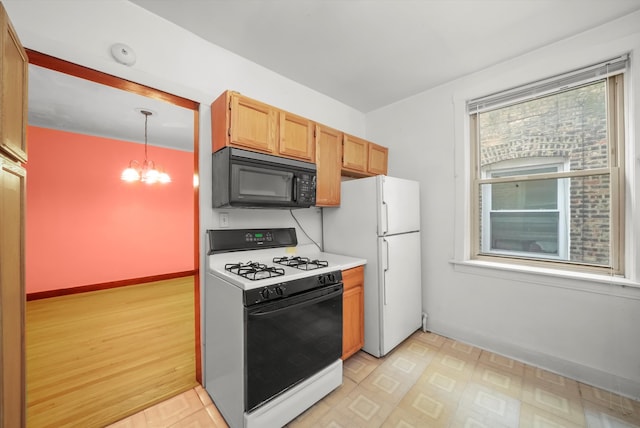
<point x="379" y="220"/>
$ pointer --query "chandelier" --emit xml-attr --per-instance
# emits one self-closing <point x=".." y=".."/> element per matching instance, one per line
<point x="145" y="171"/>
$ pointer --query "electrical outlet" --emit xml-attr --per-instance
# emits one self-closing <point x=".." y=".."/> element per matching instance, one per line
<point x="223" y="220"/>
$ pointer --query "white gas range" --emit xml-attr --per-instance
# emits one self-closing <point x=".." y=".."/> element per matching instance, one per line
<point x="272" y="325"/>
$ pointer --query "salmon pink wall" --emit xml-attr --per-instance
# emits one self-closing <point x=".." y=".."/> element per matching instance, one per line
<point x="85" y="226"/>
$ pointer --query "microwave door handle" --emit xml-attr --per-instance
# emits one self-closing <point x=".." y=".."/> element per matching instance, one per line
<point x="295" y="189"/>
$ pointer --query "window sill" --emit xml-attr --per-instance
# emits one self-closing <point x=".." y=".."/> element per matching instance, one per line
<point x="579" y="281"/>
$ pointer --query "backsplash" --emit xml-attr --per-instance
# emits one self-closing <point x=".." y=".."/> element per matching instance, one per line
<point x="309" y="218"/>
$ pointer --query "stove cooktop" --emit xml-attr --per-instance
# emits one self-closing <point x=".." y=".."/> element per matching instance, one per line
<point x="254" y="258"/>
<point x="302" y="263"/>
<point x="254" y="270"/>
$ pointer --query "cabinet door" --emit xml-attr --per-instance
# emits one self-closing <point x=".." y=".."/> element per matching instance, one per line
<point x="353" y="311"/>
<point x="354" y="154"/>
<point x="12" y="295"/>
<point x="378" y="155"/>
<point x="13" y="109"/>
<point x="296" y="137"/>
<point x="328" y="164"/>
<point x="253" y="124"/>
<point x="12" y="202"/>
<point x="221" y="121"/>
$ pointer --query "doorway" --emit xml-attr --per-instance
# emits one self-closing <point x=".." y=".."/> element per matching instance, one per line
<point x="117" y="296"/>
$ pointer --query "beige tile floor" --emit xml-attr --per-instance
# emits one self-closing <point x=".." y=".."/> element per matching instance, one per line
<point x="430" y="381"/>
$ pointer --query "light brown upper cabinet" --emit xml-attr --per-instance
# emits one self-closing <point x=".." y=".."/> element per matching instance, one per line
<point x="328" y="164"/>
<point x="15" y="71"/>
<point x="242" y="122"/>
<point x="354" y="154"/>
<point x="361" y="158"/>
<point x="296" y="137"/>
<point x="377" y="159"/>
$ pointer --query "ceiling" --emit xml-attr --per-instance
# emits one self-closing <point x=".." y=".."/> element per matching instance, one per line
<point x="64" y="102"/>
<point x="370" y="53"/>
<point x="365" y="53"/>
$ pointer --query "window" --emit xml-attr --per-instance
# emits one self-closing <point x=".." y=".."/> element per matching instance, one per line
<point x="519" y="218"/>
<point x="548" y="177"/>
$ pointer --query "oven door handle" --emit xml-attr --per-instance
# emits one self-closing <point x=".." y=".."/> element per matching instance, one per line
<point x="267" y="312"/>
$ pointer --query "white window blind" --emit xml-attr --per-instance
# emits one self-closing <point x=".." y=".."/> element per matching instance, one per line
<point x="552" y="84"/>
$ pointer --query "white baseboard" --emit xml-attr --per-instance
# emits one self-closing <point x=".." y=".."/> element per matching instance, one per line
<point x="571" y="369"/>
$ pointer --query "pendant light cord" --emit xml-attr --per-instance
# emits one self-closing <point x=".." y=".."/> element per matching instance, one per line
<point x="146" y="118"/>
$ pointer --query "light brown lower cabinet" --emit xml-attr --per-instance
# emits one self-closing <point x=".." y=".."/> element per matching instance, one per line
<point x="352" y="311"/>
<point x="12" y="296"/>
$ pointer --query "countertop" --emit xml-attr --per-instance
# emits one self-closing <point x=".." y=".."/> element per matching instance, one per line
<point x="336" y="260"/>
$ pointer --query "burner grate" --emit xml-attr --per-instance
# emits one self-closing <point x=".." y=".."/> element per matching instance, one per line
<point x="302" y="263"/>
<point x="253" y="270"/>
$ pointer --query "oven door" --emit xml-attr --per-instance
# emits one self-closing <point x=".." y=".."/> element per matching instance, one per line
<point x="290" y="340"/>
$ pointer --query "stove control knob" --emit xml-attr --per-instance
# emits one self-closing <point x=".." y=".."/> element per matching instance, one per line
<point x="322" y="280"/>
<point x="279" y="291"/>
<point x="265" y="293"/>
<point x="332" y="277"/>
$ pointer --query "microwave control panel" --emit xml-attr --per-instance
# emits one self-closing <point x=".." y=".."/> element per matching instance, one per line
<point x="307" y="188"/>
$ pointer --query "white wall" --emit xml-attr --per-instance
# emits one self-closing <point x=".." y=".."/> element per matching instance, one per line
<point x="583" y="328"/>
<point x="176" y="61"/>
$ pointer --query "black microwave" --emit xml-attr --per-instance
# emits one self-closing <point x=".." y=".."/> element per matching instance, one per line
<point x="246" y="179"/>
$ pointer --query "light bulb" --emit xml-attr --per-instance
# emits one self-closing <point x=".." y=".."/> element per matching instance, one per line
<point x="151" y="176"/>
<point x="130" y="175"/>
<point x="164" y="178"/>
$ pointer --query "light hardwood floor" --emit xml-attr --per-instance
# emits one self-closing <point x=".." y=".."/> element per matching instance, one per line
<point x="94" y="358"/>
<point x="430" y="381"/>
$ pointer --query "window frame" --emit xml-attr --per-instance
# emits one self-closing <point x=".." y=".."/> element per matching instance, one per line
<point x="615" y="170"/>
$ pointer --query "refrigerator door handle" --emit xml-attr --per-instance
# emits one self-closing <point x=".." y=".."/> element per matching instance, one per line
<point x="386" y="218"/>
<point x="386" y="268"/>
<point x="385" y="210"/>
